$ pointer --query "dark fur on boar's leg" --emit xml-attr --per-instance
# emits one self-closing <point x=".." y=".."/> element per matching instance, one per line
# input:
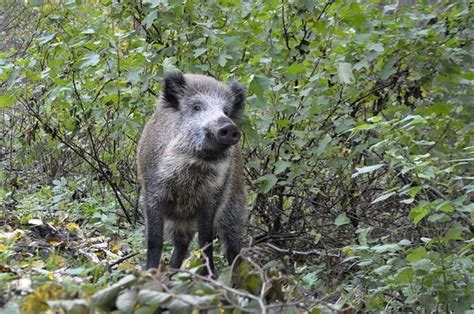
<point x="191" y="170"/>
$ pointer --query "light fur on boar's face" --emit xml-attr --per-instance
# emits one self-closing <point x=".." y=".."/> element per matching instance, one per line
<point x="190" y="167"/>
<point x="205" y="111"/>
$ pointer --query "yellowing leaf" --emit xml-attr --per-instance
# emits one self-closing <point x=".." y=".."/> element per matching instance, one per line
<point x="125" y="266"/>
<point x="53" y="241"/>
<point x="7" y="101"/>
<point x="124" y="45"/>
<point x="348" y="251"/>
<point x="36" y="301"/>
<point x="73" y="227"/>
<point x="13" y="236"/>
<point x="116" y="248"/>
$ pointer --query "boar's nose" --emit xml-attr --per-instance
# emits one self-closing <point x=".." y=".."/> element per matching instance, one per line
<point x="228" y="134"/>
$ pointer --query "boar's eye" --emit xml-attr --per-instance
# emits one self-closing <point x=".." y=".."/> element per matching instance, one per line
<point x="226" y="112"/>
<point x="197" y="107"/>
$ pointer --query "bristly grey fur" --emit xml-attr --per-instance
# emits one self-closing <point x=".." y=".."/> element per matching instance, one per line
<point x="190" y="167"/>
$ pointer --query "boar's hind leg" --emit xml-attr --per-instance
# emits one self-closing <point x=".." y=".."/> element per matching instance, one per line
<point x="231" y="229"/>
<point x="181" y="240"/>
<point x="154" y="232"/>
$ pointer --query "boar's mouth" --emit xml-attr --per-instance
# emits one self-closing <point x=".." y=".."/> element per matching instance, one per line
<point x="213" y="149"/>
<point x="212" y="155"/>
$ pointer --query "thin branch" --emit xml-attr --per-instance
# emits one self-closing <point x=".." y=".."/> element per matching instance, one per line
<point x="120" y="260"/>
<point x="289" y="251"/>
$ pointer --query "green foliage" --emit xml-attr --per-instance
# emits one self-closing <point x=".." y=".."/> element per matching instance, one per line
<point x="358" y="135"/>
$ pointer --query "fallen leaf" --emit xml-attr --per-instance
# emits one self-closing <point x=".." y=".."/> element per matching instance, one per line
<point x="73" y="228"/>
<point x="125" y="266"/>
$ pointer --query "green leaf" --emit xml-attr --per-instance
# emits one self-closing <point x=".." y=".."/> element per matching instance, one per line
<point x="388" y="68"/>
<point x="441" y="108"/>
<point x="222" y="60"/>
<point x="407" y="201"/>
<point x="316" y="310"/>
<point x="90" y="59"/>
<point x="416" y="254"/>
<point x="225" y="276"/>
<point x="344" y="72"/>
<point x="376" y="47"/>
<point x="155" y="3"/>
<point x="413" y="120"/>
<point x="149" y="19"/>
<point x="296" y="68"/>
<point x="88" y="31"/>
<point x="467" y="209"/>
<point x="150" y="297"/>
<point x="317" y="238"/>
<point x="383" y="270"/>
<point x="267" y="182"/>
<point x="169" y="65"/>
<point x="383" y="197"/>
<point x="133" y="75"/>
<point x="253" y="283"/>
<point x="281" y="166"/>
<point x="199" y="51"/>
<point x="259" y="84"/>
<point x="445" y="206"/>
<point x="293" y="309"/>
<point x="414" y="191"/>
<point x="389" y="247"/>
<point x="454" y="233"/>
<point x="404" y="242"/>
<point x="438" y="218"/>
<point x="65" y="306"/>
<point x="46" y="38"/>
<point x="323" y="144"/>
<point x="419" y="212"/>
<point x="105" y="299"/>
<point x="147" y="309"/>
<point x="188" y="301"/>
<point x="405" y="276"/>
<point x="367" y="169"/>
<point x="7" y="101"/>
<point x="126" y="301"/>
<point x="342" y="219"/>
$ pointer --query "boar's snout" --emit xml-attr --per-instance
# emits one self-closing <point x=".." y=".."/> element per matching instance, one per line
<point x="228" y="134"/>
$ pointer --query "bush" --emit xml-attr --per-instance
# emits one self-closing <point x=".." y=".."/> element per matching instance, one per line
<point x="358" y="135"/>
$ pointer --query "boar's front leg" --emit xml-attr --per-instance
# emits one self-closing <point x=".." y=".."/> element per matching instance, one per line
<point x="205" y="238"/>
<point x="154" y="231"/>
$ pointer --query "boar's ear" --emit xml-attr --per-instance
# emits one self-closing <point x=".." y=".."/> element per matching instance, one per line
<point x="174" y="85"/>
<point x="238" y="92"/>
